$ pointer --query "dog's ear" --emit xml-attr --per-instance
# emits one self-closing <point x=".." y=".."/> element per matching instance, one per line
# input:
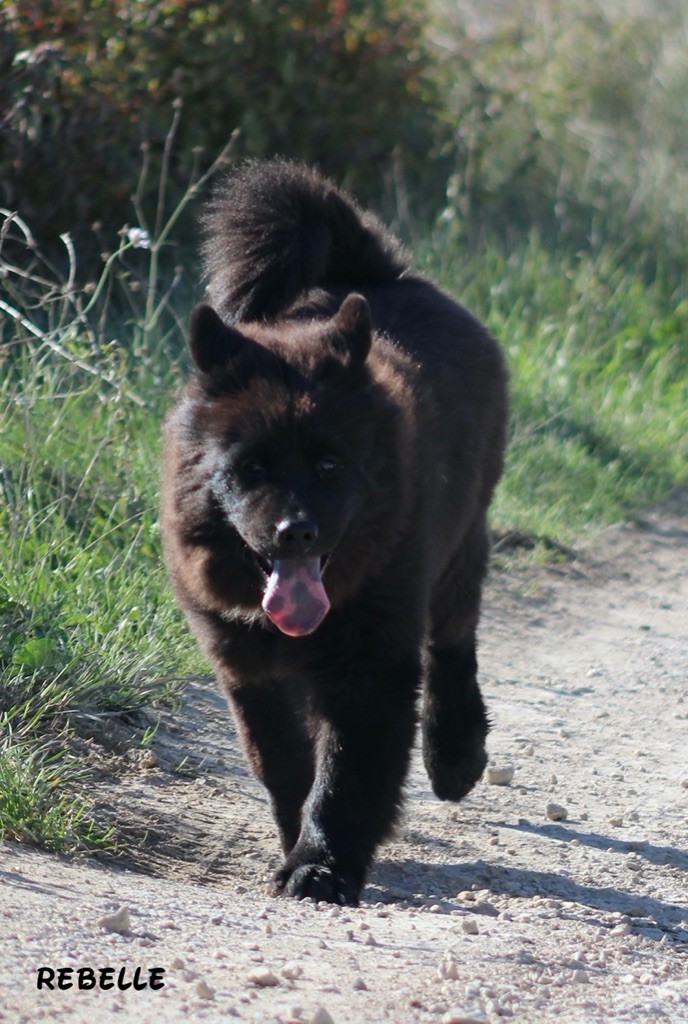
<point x="352" y="328"/>
<point x="211" y="342"/>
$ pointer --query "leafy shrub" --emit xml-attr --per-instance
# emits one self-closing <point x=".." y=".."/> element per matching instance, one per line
<point x="344" y="83"/>
<point x="532" y="114"/>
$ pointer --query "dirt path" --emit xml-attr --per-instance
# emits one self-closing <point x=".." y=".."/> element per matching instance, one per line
<point x="483" y="911"/>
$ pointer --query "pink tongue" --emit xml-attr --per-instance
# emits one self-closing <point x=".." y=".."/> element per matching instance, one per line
<point x="294" y="598"/>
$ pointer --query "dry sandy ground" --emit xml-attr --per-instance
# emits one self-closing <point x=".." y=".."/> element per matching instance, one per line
<point x="481" y="911"/>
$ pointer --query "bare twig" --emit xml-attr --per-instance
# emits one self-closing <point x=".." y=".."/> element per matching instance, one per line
<point x="20" y="318"/>
<point x="69" y="356"/>
<point x="161" y="235"/>
<point x="60" y="305"/>
<point x="138" y="195"/>
<point x="165" y="168"/>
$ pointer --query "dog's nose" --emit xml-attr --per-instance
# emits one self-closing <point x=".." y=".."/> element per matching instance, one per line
<point x="296" y="536"/>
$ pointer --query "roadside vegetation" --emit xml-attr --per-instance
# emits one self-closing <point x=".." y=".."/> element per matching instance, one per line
<point x="599" y="382"/>
<point x="551" y="199"/>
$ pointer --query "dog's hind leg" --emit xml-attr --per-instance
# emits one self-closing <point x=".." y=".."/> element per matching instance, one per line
<point x="278" y="749"/>
<point x="454" y="719"/>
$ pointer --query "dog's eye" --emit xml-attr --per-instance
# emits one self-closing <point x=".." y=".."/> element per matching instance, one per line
<point x="253" y="469"/>
<point x="327" y="467"/>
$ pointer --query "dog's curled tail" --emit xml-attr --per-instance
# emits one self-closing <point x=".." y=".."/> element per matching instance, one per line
<point x="277" y="229"/>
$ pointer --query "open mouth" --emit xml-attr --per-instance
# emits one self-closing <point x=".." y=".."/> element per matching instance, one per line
<point x="266" y="565"/>
<point x="294" y="596"/>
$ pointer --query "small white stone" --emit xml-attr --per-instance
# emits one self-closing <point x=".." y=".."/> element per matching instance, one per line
<point x="203" y="989"/>
<point x="119" y="922"/>
<point x="263" y="979"/>
<point x="291" y="971"/>
<point x="556" y="812"/>
<point x="321" y="1016"/>
<point x="469" y="926"/>
<point x="458" y="1015"/>
<point x="448" y="970"/>
<point x="500" y="776"/>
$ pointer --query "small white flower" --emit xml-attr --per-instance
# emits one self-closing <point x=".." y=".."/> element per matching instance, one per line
<point x="139" y="238"/>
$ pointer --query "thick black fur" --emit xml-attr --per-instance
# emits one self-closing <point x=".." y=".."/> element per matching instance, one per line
<point x="405" y="392"/>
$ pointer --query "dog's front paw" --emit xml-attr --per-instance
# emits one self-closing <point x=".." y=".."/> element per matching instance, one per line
<point x="317" y="882"/>
<point x="452" y="780"/>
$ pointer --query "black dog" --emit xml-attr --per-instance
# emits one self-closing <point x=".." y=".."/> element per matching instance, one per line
<point x="326" y="480"/>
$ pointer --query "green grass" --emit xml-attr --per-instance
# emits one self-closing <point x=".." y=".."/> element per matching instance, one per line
<point x="88" y="626"/>
<point x="82" y="588"/>
<point x="599" y="382"/>
<point x="38" y="805"/>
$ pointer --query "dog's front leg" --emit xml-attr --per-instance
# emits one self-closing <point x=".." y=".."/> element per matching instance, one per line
<point x="277" y="748"/>
<point x="367" y="723"/>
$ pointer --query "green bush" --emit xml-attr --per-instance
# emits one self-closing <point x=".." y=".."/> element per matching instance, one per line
<point x="534" y="114"/>
<point x="345" y="84"/>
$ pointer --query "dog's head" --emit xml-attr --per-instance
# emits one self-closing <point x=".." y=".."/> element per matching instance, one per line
<point x="287" y="427"/>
